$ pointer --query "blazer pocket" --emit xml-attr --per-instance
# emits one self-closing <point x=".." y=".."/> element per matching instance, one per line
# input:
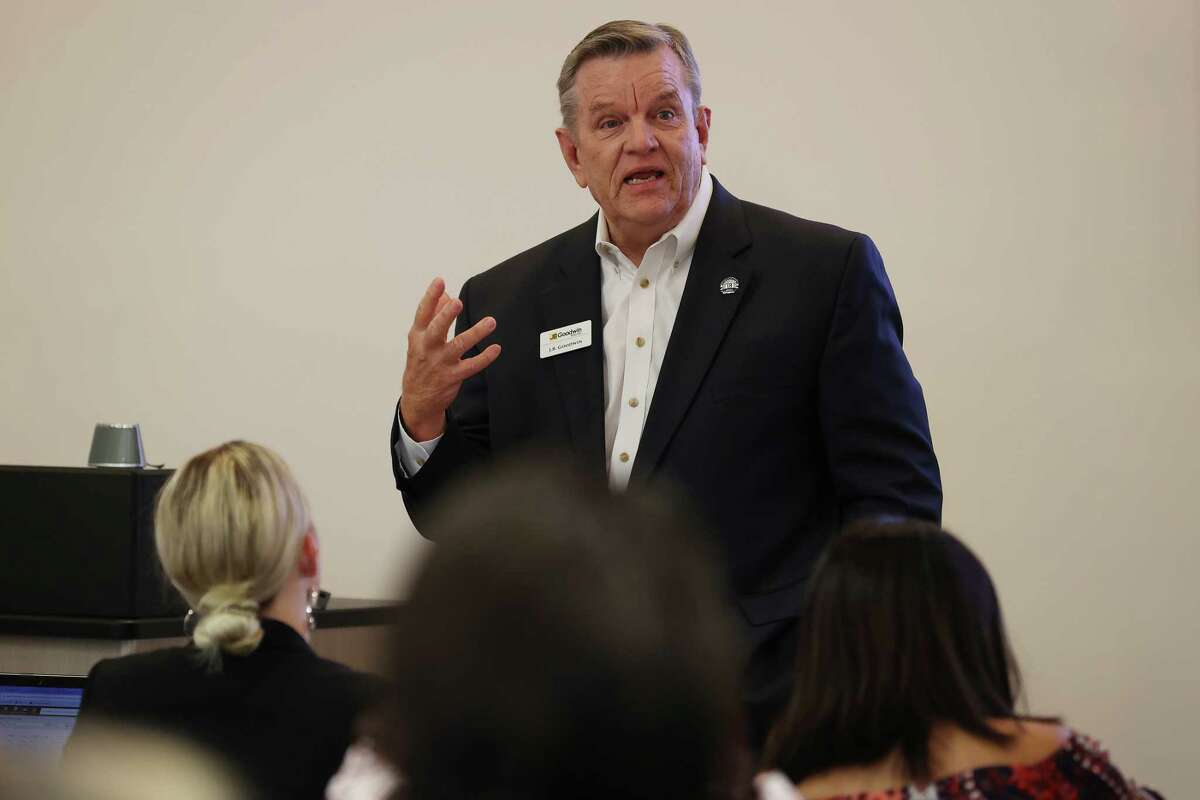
<point x="764" y="608"/>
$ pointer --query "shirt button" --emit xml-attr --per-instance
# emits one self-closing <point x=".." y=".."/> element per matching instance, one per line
<point x="420" y="462"/>
<point x="640" y="342"/>
<point x="624" y="457"/>
<point x="644" y="283"/>
<point x="633" y="402"/>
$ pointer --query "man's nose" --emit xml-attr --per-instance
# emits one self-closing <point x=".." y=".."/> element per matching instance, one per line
<point x="641" y="138"/>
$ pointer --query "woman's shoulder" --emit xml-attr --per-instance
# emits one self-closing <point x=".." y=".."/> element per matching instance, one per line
<point x="1046" y="759"/>
<point x="1083" y="761"/>
<point x="131" y="670"/>
<point x="335" y="677"/>
<point x="140" y="678"/>
<point x="1078" y="763"/>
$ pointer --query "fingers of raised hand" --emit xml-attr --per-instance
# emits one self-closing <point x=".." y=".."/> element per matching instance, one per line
<point x="430" y="303"/>
<point x="435" y="334"/>
<point x="459" y="345"/>
<point x="476" y="364"/>
<point x="443" y="300"/>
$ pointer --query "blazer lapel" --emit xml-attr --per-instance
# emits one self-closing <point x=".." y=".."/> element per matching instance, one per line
<point x="705" y="311"/>
<point x="573" y="296"/>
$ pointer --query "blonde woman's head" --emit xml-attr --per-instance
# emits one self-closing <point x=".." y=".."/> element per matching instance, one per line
<point x="229" y="527"/>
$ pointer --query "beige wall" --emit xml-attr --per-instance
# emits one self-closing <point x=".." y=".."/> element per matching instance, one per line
<point x="216" y="217"/>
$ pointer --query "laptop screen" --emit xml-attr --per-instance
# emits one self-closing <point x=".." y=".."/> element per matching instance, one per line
<point x="37" y="713"/>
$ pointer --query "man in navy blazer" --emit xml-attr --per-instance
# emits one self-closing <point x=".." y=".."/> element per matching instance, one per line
<point x="751" y="358"/>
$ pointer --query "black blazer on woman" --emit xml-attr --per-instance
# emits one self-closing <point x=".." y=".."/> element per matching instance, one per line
<point x="281" y="715"/>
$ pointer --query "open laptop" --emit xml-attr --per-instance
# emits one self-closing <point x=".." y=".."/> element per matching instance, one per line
<point x="37" y="713"/>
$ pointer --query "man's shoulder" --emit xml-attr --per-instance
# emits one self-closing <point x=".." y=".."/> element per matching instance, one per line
<point x="532" y="264"/>
<point x="773" y="228"/>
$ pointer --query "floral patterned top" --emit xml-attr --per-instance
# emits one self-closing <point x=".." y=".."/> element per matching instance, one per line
<point x="1079" y="770"/>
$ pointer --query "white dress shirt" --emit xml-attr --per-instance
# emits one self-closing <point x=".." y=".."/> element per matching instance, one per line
<point x="638" y="305"/>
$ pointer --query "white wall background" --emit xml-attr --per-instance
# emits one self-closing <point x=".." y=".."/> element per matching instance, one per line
<point x="216" y="218"/>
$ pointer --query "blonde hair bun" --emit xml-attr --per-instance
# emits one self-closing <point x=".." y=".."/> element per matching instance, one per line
<point x="228" y="621"/>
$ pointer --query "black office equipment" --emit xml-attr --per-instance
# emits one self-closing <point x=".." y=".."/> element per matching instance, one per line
<point x="79" y="542"/>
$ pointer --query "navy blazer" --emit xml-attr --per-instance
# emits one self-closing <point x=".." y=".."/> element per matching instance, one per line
<point x="783" y="409"/>
<point x="281" y="716"/>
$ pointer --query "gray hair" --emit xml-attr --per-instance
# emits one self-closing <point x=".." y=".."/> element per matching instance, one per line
<point x="624" y="37"/>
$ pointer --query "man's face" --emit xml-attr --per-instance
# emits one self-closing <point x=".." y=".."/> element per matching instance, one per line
<point x="638" y="142"/>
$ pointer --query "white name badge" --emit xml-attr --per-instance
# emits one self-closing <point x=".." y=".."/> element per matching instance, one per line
<point x="563" y="340"/>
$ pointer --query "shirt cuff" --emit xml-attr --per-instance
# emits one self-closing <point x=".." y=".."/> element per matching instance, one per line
<point x="412" y="454"/>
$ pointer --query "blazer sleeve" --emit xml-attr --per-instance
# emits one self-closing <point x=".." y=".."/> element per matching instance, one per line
<point x="466" y="441"/>
<point x="872" y="410"/>
<point x="96" y="695"/>
<point x="95" y="706"/>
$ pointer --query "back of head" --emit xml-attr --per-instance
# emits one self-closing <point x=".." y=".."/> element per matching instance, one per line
<point x="561" y="642"/>
<point x="901" y="630"/>
<point x="228" y="526"/>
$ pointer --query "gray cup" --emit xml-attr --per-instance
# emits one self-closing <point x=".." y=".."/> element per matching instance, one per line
<point x="117" y="446"/>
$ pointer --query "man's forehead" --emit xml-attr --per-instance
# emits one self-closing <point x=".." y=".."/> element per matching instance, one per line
<point x="615" y="77"/>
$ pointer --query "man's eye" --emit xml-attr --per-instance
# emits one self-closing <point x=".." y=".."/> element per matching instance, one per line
<point x="609" y="124"/>
<point x="666" y="115"/>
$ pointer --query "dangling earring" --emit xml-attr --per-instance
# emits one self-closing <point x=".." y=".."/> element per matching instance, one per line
<point x="189" y="623"/>
<point x="314" y="595"/>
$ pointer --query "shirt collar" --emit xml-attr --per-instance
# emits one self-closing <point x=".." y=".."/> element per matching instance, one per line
<point x="685" y="233"/>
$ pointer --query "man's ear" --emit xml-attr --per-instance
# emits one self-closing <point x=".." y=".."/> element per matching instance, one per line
<point x="703" y="121"/>
<point x="570" y="154"/>
<point x="309" y="562"/>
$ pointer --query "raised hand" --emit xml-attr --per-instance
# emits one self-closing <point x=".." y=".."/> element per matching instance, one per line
<point x="436" y="368"/>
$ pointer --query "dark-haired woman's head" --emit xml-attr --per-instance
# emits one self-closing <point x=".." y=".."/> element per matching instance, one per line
<point x="563" y="642"/>
<point x="901" y="631"/>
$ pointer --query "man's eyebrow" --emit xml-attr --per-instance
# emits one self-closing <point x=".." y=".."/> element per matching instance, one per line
<point x="669" y="94"/>
<point x="599" y="105"/>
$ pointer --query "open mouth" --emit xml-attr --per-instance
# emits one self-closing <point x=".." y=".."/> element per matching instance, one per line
<point x="645" y="176"/>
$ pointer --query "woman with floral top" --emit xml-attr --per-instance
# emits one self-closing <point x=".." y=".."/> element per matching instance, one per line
<point x="906" y="686"/>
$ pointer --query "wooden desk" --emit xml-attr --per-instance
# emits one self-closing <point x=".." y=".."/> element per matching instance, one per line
<point x="351" y="631"/>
